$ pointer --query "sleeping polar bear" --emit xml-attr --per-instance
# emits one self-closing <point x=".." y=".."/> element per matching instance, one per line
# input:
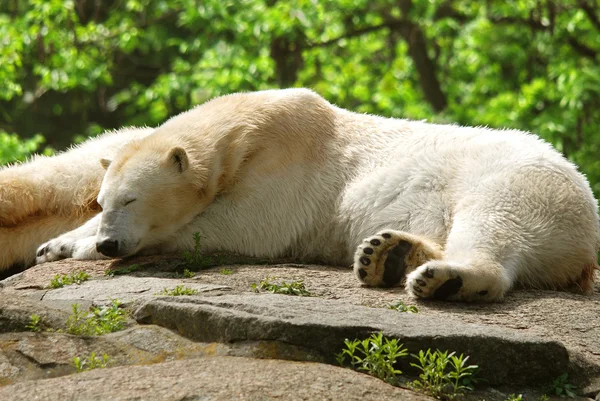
<point x="456" y="213"/>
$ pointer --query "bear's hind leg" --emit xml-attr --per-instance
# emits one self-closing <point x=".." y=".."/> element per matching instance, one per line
<point x="384" y="259"/>
<point x="477" y="280"/>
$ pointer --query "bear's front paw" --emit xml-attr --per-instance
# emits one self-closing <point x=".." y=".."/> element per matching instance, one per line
<point x="68" y="247"/>
<point x="55" y="249"/>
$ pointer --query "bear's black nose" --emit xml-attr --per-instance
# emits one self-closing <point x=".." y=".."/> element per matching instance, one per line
<point x="108" y="247"/>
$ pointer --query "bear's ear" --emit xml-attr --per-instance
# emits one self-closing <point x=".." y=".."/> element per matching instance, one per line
<point x="179" y="158"/>
<point x="105" y="163"/>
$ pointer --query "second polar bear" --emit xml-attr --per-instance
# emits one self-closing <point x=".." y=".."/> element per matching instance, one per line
<point x="460" y="213"/>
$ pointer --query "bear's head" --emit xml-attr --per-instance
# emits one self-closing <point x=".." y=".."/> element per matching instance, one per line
<point x="147" y="194"/>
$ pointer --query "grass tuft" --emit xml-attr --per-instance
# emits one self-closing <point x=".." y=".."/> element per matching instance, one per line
<point x="400" y="306"/>
<point x="293" y="288"/>
<point x="443" y="375"/>
<point x="375" y="355"/>
<point x="34" y="323"/>
<point x="91" y="362"/>
<point x="562" y="388"/>
<point x="67" y="279"/>
<point x="98" y="321"/>
<point x="121" y="270"/>
<point x="177" y="291"/>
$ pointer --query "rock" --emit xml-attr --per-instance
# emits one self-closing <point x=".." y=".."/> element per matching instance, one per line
<point x="124" y="288"/>
<point x="520" y="340"/>
<point x="505" y="356"/>
<point x="214" y="378"/>
<point x="15" y="314"/>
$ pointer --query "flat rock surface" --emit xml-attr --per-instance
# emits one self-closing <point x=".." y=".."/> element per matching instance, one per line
<point x="217" y="378"/>
<point x="505" y="355"/>
<point x="529" y="337"/>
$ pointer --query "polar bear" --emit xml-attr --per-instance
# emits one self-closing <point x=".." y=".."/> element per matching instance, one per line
<point x="453" y="212"/>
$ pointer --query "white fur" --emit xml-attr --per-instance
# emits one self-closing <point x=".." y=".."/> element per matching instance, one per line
<point x="504" y="206"/>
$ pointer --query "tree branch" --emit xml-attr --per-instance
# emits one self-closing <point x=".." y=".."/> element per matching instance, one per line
<point x="579" y="47"/>
<point x="590" y="11"/>
<point x="355" y="33"/>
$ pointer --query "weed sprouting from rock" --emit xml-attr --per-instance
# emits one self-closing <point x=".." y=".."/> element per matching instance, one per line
<point x="34" y="323"/>
<point x="67" y="279"/>
<point x="294" y="288"/>
<point x="98" y="321"/>
<point x="91" y="362"/>
<point x="177" y="291"/>
<point x="400" y="306"/>
<point x="443" y="375"/>
<point x="122" y="270"/>
<point x="561" y="386"/>
<point x="375" y="355"/>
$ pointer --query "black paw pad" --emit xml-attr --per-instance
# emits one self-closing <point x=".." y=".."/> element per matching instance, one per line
<point x="365" y="261"/>
<point x="421" y="282"/>
<point x="368" y="251"/>
<point x="428" y="273"/>
<point x="362" y="272"/>
<point x="395" y="266"/>
<point x="42" y="251"/>
<point x="386" y="235"/>
<point x="375" y="242"/>
<point x="449" y="288"/>
<point x="482" y="293"/>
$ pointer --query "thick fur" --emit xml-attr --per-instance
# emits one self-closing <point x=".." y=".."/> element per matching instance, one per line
<point x="460" y="213"/>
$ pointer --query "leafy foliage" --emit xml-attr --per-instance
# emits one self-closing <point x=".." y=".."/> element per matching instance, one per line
<point x="34" y="323"/>
<point x="59" y="281"/>
<point x="293" y="288"/>
<point x="122" y="270"/>
<point x="98" y="321"/>
<point x="178" y="291"/>
<point x="73" y="68"/>
<point x="561" y="386"/>
<point x="90" y="363"/>
<point x="375" y="355"/>
<point x="443" y="375"/>
<point x="400" y="306"/>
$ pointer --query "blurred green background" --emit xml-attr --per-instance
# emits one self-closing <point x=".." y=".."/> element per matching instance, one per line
<point x="71" y="69"/>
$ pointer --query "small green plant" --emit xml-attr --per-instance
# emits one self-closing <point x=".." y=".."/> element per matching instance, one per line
<point x="561" y="386"/>
<point x="293" y="288"/>
<point x="34" y="323"/>
<point x="91" y="362"/>
<point x="443" y="375"/>
<point x="543" y="397"/>
<point x="194" y="257"/>
<point x="515" y="397"/>
<point x="98" y="321"/>
<point x="177" y="291"/>
<point x="400" y="306"/>
<point x="226" y="272"/>
<point x="73" y="278"/>
<point x="375" y="355"/>
<point x="188" y="273"/>
<point x="121" y="270"/>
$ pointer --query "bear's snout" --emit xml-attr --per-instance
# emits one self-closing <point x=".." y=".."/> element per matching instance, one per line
<point x="108" y="247"/>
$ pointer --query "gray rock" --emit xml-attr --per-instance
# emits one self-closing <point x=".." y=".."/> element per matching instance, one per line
<point x="215" y="378"/>
<point x="505" y="356"/>
<point x="124" y="288"/>
<point x="15" y="314"/>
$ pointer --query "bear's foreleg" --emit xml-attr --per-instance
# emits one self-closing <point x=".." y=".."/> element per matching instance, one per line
<point x="79" y="244"/>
